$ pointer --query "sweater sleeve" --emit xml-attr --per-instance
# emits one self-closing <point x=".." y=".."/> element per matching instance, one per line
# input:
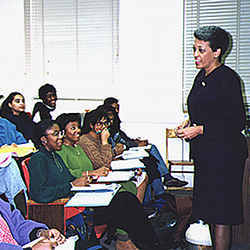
<point x="40" y="191"/>
<point x="100" y="155"/>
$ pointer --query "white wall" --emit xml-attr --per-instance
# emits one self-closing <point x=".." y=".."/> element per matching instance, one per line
<point x="151" y="68"/>
<point x="149" y="84"/>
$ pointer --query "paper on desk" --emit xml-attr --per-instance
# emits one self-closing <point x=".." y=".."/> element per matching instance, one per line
<point x="96" y="187"/>
<point x="92" y="199"/>
<point x="69" y="244"/>
<point x="126" y="164"/>
<point x="140" y="148"/>
<point x="134" y="154"/>
<point x="117" y="176"/>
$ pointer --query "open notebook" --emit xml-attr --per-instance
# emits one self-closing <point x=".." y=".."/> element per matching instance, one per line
<point x="116" y="176"/>
<point x="95" y="198"/>
<point x="126" y="164"/>
<point x="135" y="153"/>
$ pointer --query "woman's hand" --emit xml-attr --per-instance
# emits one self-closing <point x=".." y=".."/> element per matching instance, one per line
<point x="54" y="235"/>
<point x="119" y="148"/>
<point x="189" y="133"/>
<point x="104" y="136"/>
<point x="103" y="171"/>
<point x="52" y="238"/>
<point x="141" y="143"/>
<point x="82" y="181"/>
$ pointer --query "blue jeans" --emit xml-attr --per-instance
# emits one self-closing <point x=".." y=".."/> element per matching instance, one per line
<point x="11" y="182"/>
<point x="162" y="167"/>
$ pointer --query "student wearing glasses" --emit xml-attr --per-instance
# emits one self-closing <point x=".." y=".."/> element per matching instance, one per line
<point x="50" y="179"/>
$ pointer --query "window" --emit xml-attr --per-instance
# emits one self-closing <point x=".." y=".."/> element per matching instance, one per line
<point x="233" y="16"/>
<point x="72" y="43"/>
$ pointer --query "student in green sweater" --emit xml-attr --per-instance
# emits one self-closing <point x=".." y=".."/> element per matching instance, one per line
<point x="50" y="179"/>
<point x="72" y="154"/>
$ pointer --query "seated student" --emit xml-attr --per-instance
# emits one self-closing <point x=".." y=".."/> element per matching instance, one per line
<point x="15" y="231"/>
<point x="155" y="184"/>
<point x="72" y="154"/>
<point x="50" y="179"/>
<point x="11" y="182"/>
<point x="169" y="180"/>
<point x="94" y="143"/>
<point x="45" y="109"/>
<point x="13" y="109"/>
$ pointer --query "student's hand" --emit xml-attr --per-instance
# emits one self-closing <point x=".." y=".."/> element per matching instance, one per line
<point x="54" y="235"/>
<point x="103" y="171"/>
<point x="82" y="181"/>
<point x="119" y="148"/>
<point x="104" y="136"/>
<point x="141" y="143"/>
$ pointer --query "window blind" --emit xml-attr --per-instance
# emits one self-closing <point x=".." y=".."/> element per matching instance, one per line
<point x="72" y="42"/>
<point x="231" y="15"/>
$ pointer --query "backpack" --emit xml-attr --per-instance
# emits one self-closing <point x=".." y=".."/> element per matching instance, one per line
<point x="162" y="215"/>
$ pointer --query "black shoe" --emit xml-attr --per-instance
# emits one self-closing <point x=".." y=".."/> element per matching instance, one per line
<point x="174" y="182"/>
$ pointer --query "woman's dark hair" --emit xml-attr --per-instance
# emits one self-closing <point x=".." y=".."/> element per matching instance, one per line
<point x="92" y="117"/>
<point x="217" y="37"/>
<point x="116" y="122"/>
<point x="41" y="128"/>
<point x="5" y="109"/>
<point x="63" y="119"/>
<point x="110" y="101"/>
<point x="43" y="90"/>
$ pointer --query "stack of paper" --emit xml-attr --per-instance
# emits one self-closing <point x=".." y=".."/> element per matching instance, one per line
<point x="134" y="154"/>
<point x="126" y="164"/>
<point x="95" y="198"/>
<point x="117" y="176"/>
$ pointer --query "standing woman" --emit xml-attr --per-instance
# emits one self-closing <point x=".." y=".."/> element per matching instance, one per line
<point x="13" y="109"/>
<point x="218" y="147"/>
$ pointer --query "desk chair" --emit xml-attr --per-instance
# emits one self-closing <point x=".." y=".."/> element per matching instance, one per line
<point x="53" y="214"/>
<point x="170" y="133"/>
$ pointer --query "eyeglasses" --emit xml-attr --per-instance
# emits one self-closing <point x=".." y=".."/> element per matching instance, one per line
<point x="58" y="133"/>
<point x="105" y="123"/>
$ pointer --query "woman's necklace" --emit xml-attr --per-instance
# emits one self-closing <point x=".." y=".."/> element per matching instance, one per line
<point x="58" y="164"/>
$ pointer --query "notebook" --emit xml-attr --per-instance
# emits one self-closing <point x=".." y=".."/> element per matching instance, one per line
<point x="117" y="176"/>
<point x="126" y="164"/>
<point x="93" y="199"/>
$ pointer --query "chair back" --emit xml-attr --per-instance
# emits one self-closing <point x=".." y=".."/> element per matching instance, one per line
<point x="26" y="174"/>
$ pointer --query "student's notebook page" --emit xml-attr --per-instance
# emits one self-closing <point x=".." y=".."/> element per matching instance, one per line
<point x="134" y="153"/>
<point x="93" y="199"/>
<point x="117" y="176"/>
<point x="126" y="164"/>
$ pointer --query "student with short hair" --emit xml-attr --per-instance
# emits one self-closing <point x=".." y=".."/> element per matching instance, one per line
<point x="45" y="109"/>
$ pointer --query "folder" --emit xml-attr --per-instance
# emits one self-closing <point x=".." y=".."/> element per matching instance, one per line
<point x="93" y="199"/>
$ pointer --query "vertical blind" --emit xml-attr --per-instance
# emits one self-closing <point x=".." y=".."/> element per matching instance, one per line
<point x="234" y="17"/>
<point x="71" y="41"/>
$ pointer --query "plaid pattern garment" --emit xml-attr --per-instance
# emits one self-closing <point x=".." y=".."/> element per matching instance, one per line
<point x="5" y="234"/>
